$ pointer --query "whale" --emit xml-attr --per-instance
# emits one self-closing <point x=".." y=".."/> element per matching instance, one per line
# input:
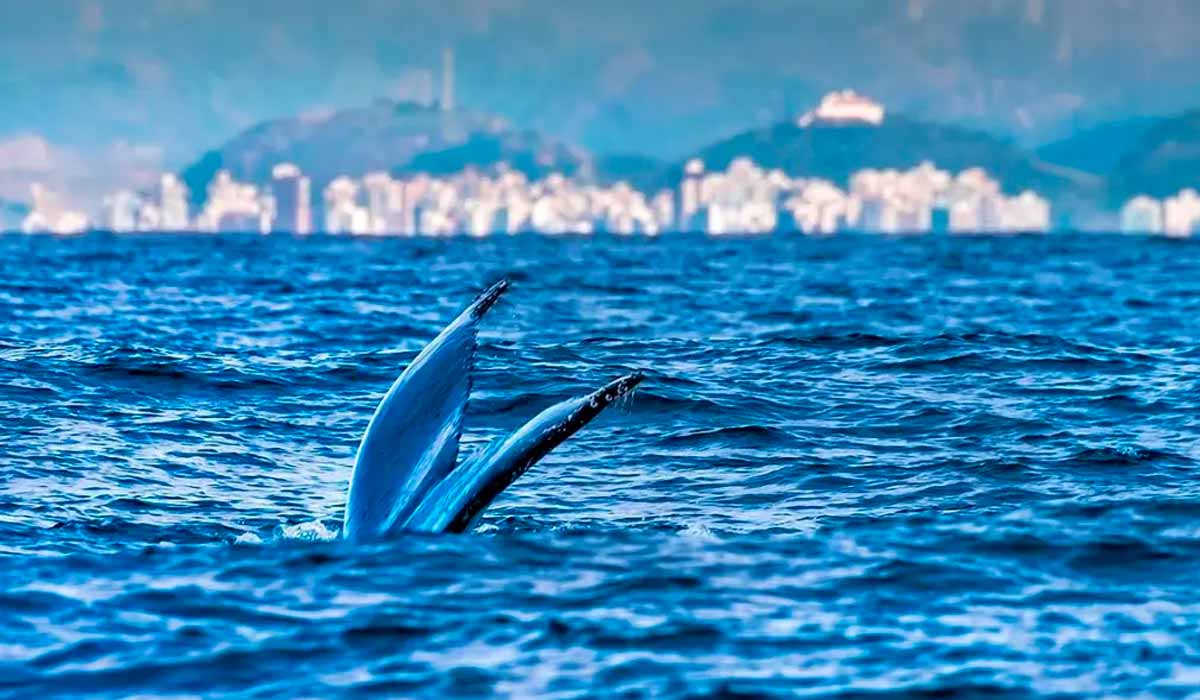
<point x="407" y="473"/>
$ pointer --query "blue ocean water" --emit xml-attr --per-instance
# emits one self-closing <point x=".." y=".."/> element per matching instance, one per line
<point x="859" y="466"/>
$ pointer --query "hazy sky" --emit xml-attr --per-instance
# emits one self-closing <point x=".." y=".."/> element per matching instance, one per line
<point x="97" y="87"/>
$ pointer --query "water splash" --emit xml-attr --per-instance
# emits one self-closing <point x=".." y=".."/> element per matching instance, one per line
<point x="311" y="531"/>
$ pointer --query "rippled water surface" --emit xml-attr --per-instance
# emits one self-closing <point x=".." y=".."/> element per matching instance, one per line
<point x="858" y="466"/>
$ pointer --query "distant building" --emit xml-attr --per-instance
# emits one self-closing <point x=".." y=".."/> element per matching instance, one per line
<point x="873" y="216"/>
<point x="1181" y="214"/>
<point x="50" y="214"/>
<point x="172" y="204"/>
<point x="663" y="205"/>
<point x="122" y="211"/>
<point x="892" y="201"/>
<point x="689" y="198"/>
<point x="293" y="200"/>
<point x="742" y="200"/>
<point x="386" y="205"/>
<point x="234" y="207"/>
<point x="343" y="214"/>
<point x="1142" y="214"/>
<point x="1026" y="213"/>
<point x="845" y="106"/>
<point x="822" y="209"/>
<point x="625" y="211"/>
<point x="162" y="208"/>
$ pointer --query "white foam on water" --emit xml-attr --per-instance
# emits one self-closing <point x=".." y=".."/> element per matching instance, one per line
<point x="312" y="531"/>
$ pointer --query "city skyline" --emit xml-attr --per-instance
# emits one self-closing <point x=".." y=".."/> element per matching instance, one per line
<point x="147" y="87"/>
<point x="744" y="198"/>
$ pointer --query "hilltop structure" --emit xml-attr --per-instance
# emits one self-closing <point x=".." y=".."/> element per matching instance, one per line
<point x="844" y="107"/>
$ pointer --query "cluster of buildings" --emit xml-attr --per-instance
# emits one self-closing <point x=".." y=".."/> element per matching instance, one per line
<point x="746" y="199"/>
<point x="49" y="214"/>
<point x="1177" y="216"/>
<point x="505" y="202"/>
<point x="743" y="199"/>
<point x="163" y="208"/>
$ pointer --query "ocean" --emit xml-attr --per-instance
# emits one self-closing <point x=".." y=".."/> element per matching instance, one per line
<point x="859" y="466"/>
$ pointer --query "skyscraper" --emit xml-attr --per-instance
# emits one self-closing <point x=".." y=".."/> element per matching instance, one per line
<point x="172" y="203"/>
<point x="689" y="198"/>
<point x="343" y="213"/>
<point x="122" y="211"/>
<point x="293" y="205"/>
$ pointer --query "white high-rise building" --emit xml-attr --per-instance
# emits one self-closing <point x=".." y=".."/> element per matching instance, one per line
<point x="663" y="205"/>
<point x="817" y="207"/>
<point x="1181" y="214"/>
<point x="386" y="204"/>
<point x="1027" y="213"/>
<point x="343" y="214"/>
<point x="1142" y="214"/>
<point x="123" y="211"/>
<point x="172" y="204"/>
<point x="291" y="191"/>
<point x="234" y="207"/>
<point x="689" y="197"/>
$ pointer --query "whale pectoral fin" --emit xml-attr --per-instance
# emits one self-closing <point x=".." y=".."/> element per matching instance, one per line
<point x="411" y="442"/>
<point x="455" y="503"/>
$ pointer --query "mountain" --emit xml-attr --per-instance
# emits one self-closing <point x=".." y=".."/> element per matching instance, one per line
<point x="1157" y="156"/>
<point x="643" y="172"/>
<point x="1164" y="160"/>
<point x="399" y="137"/>
<point x="524" y="151"/>
<point x="1097" y="149"/>
<point x="836" y="150"/>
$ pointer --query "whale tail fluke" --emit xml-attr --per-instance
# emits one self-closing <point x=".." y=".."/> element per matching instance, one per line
<point x="405" y="478"/>
<point x="412" y="440"/>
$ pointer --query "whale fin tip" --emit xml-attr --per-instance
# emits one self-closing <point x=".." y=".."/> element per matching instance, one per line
<point x="485" y="301"/>
<point x="621" y="386"/>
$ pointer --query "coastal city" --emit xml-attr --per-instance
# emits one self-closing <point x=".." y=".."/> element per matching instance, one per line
<point x="744" y="199"/>
<point x="740" y="199"/>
